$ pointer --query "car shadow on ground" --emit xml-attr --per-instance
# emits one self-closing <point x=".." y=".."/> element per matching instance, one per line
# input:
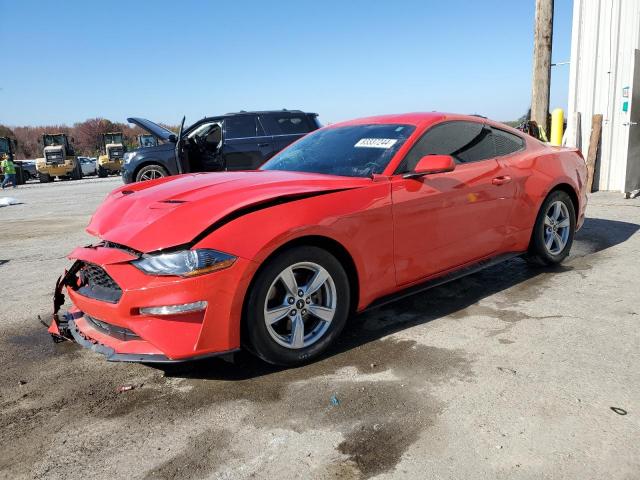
<point x="596" y="236"/>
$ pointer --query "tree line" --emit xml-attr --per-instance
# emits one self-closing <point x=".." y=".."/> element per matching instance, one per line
<point x="87" y="136"/>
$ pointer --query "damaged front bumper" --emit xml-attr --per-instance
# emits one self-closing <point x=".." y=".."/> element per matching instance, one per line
<point x="116" y="326"/>
<point x="65" y="329"/>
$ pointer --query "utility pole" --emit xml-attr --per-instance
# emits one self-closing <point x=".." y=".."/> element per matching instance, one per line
<point x="541" y="81"/>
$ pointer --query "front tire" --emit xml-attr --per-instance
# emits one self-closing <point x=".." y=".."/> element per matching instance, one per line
<point x="151" y="172"/>
<point x="102" y="173"/>
<point x="297" y="306"/>
<point x="554" y="230"/>
<point x="44" y="178"/>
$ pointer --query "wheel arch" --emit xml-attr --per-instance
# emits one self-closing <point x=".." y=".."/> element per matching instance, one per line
<point x="569" y="190"/>
<point x="326" y="243"/>
<point x="146" y="163"/>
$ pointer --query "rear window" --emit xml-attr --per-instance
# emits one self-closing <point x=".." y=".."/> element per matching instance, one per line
<point x="286" y="124"/>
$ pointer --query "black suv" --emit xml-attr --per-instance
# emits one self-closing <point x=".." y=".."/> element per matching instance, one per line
<point x="235" y="141"/>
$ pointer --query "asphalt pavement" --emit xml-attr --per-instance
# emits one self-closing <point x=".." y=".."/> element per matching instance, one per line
<point x="513" y="372"/>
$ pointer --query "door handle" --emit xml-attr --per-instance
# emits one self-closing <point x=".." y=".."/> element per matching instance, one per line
<point x="629" y="124"/>
<point x="263" y="144"/>
<point x="501" y="180"/>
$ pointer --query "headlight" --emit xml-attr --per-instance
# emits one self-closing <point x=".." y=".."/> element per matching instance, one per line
<point x="186" y="263"/>
<point x="128" y="156"/>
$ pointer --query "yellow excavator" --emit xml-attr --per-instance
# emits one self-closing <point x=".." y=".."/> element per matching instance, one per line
<point x="113" y="149"/>
<point x="59" y="159"/>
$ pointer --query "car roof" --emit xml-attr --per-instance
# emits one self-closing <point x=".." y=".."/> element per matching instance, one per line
<point x="258" y="112"/>
<point x="416" y="118"/>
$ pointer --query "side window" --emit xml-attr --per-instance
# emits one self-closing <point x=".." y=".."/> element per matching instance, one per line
<point x="507" y="143"/>
<point x="286" y="124"/>
<point x="464" y="141"/>
<point x="242" y="126"/>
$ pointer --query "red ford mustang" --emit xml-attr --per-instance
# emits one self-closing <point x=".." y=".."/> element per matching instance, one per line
<point x="350" y="216"/>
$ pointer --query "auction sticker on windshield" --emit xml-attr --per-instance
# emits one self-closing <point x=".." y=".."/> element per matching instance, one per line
<point x="376" y="143"/>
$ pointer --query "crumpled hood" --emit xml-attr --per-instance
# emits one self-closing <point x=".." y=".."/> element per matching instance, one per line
<point x="171" y="211"/>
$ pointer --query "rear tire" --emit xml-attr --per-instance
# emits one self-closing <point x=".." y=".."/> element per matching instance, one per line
<point x="151" y="172"/>
<point x="291" y="328"/>
<point x="44" y="178"/>
<point x="102" y="173"/>
<point x="553" y="231"/>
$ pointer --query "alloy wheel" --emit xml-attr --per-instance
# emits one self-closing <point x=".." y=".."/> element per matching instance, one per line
<point x="557" y="227"/>
<point x="151" y="174"/>
<point x="300" y="305"/>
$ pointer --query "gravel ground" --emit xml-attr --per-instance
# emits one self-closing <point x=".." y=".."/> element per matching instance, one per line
<point x="508" y="373"/>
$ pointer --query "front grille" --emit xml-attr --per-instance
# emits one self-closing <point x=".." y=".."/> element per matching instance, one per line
<point x="114" y="331"/>
<point x="96" y="283"/>
<point x="116" y="153"/>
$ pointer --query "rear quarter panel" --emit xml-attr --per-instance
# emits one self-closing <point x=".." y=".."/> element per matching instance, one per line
<point x="537" y="172"/>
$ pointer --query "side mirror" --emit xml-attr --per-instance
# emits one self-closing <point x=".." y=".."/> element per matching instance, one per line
<point x="430" y="164"/>
<point x="173" y="138"/>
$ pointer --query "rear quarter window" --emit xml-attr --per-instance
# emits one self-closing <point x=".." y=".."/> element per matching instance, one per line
<point x="507" y="143"/>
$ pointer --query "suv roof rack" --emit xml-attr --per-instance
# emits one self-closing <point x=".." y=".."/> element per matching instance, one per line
<point x="257" y="112"/>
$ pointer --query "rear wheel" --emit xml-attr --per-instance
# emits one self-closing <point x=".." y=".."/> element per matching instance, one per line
<point x="554" y="230"/>
<point x="102" y="172"/>
<point x="44" y="178"/>
<point x="297" y="306"/>
<point x="151" y="172"/>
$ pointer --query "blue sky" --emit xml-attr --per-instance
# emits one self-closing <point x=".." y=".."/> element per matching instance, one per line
<point x="67" y="61"/>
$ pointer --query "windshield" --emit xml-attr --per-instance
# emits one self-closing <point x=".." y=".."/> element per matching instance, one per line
<point x="204" y="129"/>
<point x="4" y="145"/>
<point x="147" y="141"/>
<point x="112" y="138"/>
<point x="352" y="151"/>
<point x="51" y="140"/>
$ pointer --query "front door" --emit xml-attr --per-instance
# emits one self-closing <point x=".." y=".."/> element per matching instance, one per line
<point x="446" y="220"/>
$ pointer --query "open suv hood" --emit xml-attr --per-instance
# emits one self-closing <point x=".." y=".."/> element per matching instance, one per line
<point x="153" y="128"/>
<point x="172" y="211"/>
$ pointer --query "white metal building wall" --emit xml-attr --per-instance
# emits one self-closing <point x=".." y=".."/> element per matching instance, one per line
<point x="604" y="36"/>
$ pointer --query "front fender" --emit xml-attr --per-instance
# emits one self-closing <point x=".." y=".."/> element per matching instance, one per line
<point x="358" y="219"/>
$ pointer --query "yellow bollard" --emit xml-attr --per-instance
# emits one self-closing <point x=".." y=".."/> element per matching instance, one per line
<point x="557" y="126"/>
